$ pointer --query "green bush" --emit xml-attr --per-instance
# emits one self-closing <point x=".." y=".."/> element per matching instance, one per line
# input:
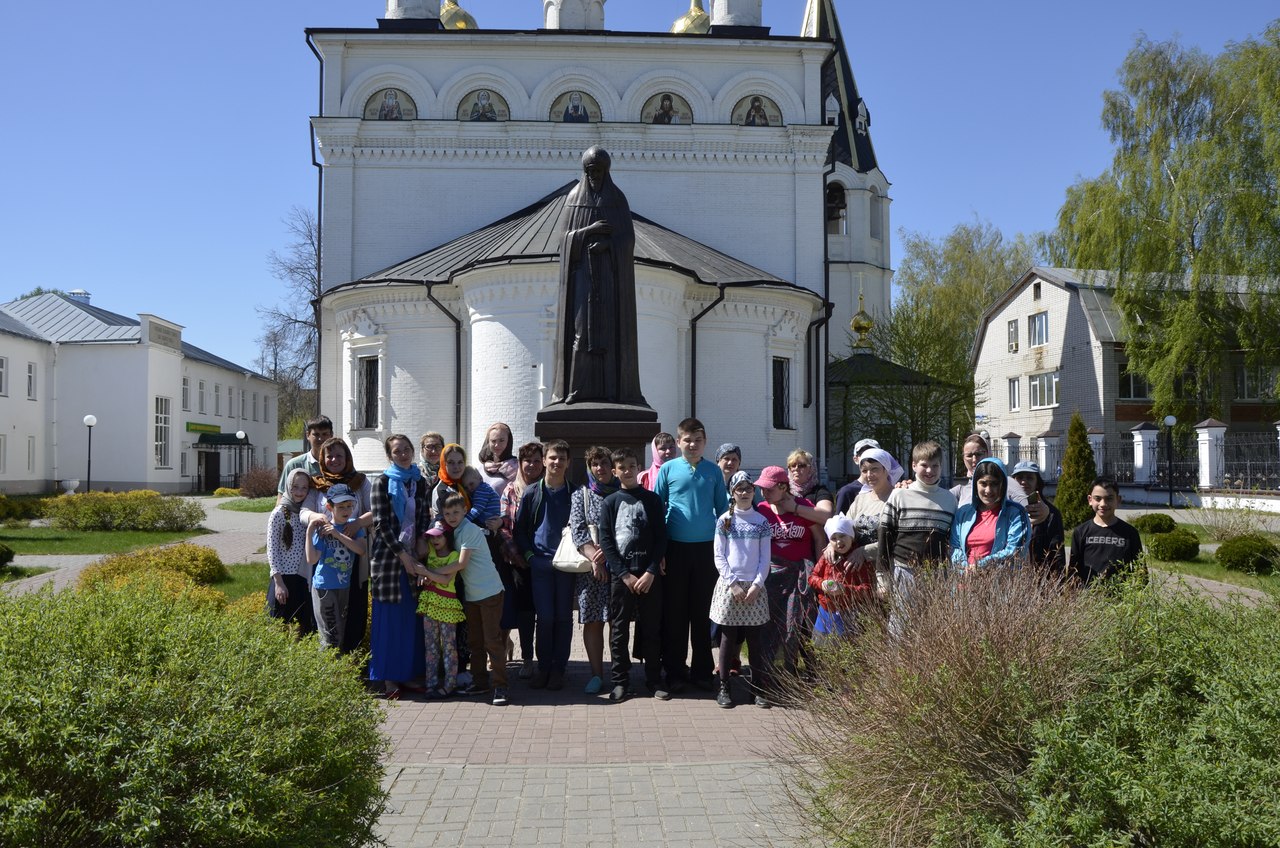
<point x="129" y="720"/>
<point x="1250" y="553"/>
<point x="1154" y="522"/>
<point x="6" y="556"/>
<point x="141" y="510"/>
<point x="21" y="509"/>
<point x="259" y="483"/>
<point x="225" y="492"/>
<point x="1177" y="747"/>
<point x="198" y="562"/>
<point x="1078" y="471"/>
<point x="1178" y="545"/>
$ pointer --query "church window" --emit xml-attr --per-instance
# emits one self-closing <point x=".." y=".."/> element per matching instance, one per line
<point x="367" y="393"/>
<point x="877" y="215"/>
<point x="781" y="393"/>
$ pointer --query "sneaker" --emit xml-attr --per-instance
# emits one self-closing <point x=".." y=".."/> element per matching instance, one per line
<point x="539" y="680"/>
<point x="762" y="702"/>
<point x="660" y="693"/>
<point x="555" y="682"/>
<point x="594" y="685"/>
<point x="619" y="693"/>
<point x="526" y="670"/>
<point x="499" y="697"/>
<point x="725" y="698"/>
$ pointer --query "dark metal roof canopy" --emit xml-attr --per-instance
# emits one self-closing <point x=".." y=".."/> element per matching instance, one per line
<point x="864" y="368"/>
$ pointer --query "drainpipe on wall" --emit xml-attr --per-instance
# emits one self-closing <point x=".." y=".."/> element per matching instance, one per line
<point x="53" y="407"/>
<point x="315" y="306"/>
<point x="457" y="362"/>
<point x="693" y="351"/>
<point x="824" y="340"/>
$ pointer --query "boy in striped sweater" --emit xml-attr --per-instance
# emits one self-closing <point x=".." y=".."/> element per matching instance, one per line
<point x="916" y="522"/>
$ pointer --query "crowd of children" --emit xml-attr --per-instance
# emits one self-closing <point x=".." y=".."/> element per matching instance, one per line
<point x="692" y="558"/>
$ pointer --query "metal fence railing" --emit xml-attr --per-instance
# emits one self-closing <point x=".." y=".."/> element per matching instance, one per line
<point x="1115" y="460"/>
<point x="1249" y="461"/>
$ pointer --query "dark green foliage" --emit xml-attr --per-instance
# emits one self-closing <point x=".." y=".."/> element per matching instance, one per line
<point x="1250" y="553"/>
<point x="1177" y="748"/>
<point x="1178" y="545"/>
<point x="1154" y="522"/>
<point x="127" y="720"/>
<point x="6" y="556"/>
<point x="1078" y="471"/>
<point x="259" y="483"/>
<point x="21" y="509"/>
<point x="141" y="510"/>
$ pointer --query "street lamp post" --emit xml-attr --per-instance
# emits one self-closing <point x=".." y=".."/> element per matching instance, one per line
<point x="240" y="438"/>
<point x="1169" y="422"/>
<point x="90" y="421"/>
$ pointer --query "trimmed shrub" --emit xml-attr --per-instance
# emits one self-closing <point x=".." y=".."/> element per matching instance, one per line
<point x="1251" y="553"/>
<point x="250" y="606"/>
<point x="224" y="492"/>
<point x="1154" y="522"/>
<point x="201" y="564"/>
<point x="1178" y="545"/>
<point x="1078" y="471"/>
<point x="907" y="738"/>
<point x="170" y="586"/>
<point x="130" y="720"/>
<point x="21" y="509"/>
<point x="6" y="557"/>
<point x="259" y="483"/>
<point x="1177" y="747"/>
<point x="141" y="510"/>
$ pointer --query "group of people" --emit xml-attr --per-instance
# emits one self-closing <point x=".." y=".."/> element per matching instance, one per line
<point x="465" y="563"/>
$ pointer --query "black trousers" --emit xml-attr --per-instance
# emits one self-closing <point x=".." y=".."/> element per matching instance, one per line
<point x="645" y="611"/>
<point x="686" y="610"/>
<point x="357" y="616"/>
<point x="297" y="608"/>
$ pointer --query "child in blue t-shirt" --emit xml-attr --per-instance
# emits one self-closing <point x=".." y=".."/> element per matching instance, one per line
<point x="334" y="543"/>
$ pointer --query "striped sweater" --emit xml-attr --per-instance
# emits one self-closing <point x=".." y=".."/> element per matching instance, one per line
<point x="915" y="525"/>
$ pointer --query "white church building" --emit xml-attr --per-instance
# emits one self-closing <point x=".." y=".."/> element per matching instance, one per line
<point x="446" y="147"/>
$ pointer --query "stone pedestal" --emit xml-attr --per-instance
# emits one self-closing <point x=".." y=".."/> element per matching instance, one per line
<point x="585" y="425"/>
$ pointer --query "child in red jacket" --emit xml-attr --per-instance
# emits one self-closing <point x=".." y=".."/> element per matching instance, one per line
<point x="841" y="586"/>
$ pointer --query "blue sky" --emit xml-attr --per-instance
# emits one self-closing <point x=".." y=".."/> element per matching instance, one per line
<point x="152" y="149"/>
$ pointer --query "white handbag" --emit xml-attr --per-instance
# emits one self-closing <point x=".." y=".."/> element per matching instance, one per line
<point x="567" y="558"/>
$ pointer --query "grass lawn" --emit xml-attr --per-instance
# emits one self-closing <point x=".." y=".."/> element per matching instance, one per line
<point x="250" y="504"/>
<point x="18" y="572"/>
<point x="245" y="578"/>
<point x="50" y="540"/>
<point x="1204" y="566"/>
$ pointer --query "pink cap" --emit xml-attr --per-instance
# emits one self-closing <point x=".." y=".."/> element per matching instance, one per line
<point x="772" y="476"/>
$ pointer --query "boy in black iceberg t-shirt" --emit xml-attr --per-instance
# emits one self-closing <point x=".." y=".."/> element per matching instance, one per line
<point x="1105" y="544"/>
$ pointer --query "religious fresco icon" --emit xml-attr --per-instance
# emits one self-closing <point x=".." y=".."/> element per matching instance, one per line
<point x="666" y="108"/>
<point x="575" y="107"/>
<point x="484" y="104"/>
<point x="390" y="104"/>
<point x="756" y="110"/>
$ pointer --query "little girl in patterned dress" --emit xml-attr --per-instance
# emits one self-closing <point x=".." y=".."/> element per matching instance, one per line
<point x="743" y="544"/>
<point x="440" y="609"/>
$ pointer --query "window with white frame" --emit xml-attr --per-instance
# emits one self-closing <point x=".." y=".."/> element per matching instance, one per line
<point x="164" y="431"/>
<point x="1015" y="394"/>
<point x="4" y="376"/>
<point x="1013" y="336"/>
<point x="244" y="404"/>
<point x="367" y="380"/>
<point x="217" y="398"/>
<point x="1255" y="383"/>
<point x="31" y="454"/>
<point x="1038" y="329"/>
<point x="31" y="381"/>
<point x="1044" y="390"/>
<point x="781" y="393"/>
<point x="1130" y="386"/>
<point x="200" y="397"/>
<point x="186" y="394"/>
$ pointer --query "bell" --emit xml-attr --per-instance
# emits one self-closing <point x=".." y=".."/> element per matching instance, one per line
<point x="693" y="22"/>
<point x="453" y="16"/>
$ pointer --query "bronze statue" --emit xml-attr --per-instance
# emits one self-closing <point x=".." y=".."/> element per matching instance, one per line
<point x="596" y="334"/>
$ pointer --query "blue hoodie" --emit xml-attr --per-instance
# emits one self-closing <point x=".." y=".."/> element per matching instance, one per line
<point x="1013" y="528"/>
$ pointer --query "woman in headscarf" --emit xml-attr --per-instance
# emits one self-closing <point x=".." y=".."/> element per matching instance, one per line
<point x="592" y="588"/>
<point x="453" y="464"/>
<point x="399" y="512"/>
<point x="337" y="465"/>
<point x="517" y="610"/>
<point x="429" y="461"/>
<point x="663" y="448"/>
<point x="806" y="484"/>
<point x="880" y="473"/>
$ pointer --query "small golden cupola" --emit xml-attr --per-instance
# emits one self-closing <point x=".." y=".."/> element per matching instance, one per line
<point x="693" y="22"/>
<point x="453" y="16"/>
<point x="861" y="325"/>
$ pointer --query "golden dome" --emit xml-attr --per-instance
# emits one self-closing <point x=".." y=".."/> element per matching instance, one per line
<point x="694" y="22"/>
<point x="453" y="16"/>
<point x="861" y="324"/>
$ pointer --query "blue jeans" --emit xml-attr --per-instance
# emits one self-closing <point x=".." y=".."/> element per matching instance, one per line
<point x="553" y="604"/>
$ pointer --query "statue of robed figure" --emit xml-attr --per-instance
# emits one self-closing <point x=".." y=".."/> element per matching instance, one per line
<point x="596" y="333"/>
